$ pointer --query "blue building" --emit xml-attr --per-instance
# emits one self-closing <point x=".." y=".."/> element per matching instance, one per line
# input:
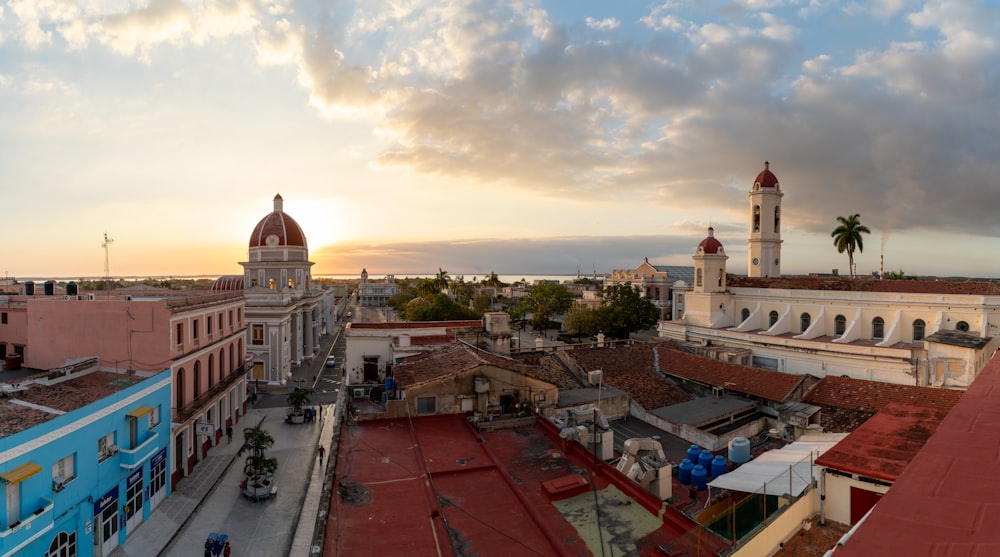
<point x="83" y="459"/>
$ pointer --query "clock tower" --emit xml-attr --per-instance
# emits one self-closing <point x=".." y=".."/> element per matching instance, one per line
<point x="765" y="226"/>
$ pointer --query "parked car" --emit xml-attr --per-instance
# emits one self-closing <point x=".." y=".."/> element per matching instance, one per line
<point x="331" y="361"/>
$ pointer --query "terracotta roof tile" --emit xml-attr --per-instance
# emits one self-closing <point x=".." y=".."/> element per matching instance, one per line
<point x="966" y="287"/>
<point x="461" y="357"/>
<point x="632" y="369"/>
<point x="756" y="382"/>
<point x="872" y="396"/>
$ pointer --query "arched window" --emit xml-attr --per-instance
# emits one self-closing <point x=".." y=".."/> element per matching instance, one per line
<point x="197" y="379"/>
<point x="744" y="315"/>
<point x="962" y="326"/>
<point x="756" y="218"/>
<point x="211" y="371"/>
<point x="721" y="276"/>
<point x="232" y="364"/>
<point x="773" y="318"/>
<point x="222" y="363"/>
<point x="839" y="325"/>
<point x="63" y="545"/>
<point x="918" y="330"/>
<point x="878" y="328"/>
<point x="697" y="280"/>
<point x="179" y="389"/>
<point x="777" y="219"/>
<point x="804" y="321"/>
<point x="272" y="283"/>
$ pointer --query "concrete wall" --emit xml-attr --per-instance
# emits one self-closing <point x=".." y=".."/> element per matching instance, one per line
<point x="837" y="506"/>
<point x="768" y="541"/>
<point x="694" y="435"/>
<point x="448" y="392"/>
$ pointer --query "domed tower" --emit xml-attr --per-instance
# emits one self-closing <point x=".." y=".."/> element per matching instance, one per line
<point x="710" y="265"/>
<point x="279" y="254"/>
<point x="765" y="226"/>
<point x="708" y="302"/>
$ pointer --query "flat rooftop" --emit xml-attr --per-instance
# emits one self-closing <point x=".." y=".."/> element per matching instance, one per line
<point x="436" y="486"/>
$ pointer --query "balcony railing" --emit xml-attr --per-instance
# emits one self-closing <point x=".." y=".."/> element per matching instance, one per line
<point x="199" y="402"/>
<point x="134" y="457"/>
<point x="20" y="533"/>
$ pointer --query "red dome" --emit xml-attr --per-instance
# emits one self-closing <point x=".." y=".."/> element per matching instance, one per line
<point x="280" y="226"/>
<point x="766" y="178"/>
<point x="710" y="244"/>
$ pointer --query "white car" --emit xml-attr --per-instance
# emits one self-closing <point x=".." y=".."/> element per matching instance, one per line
<point x="331" y="361"/>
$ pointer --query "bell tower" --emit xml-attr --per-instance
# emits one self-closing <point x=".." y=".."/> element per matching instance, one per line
<point x="765" y="226"/>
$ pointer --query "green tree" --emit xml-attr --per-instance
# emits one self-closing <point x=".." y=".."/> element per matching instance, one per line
<point x="848" y="237"/>
<point x="442" y="279"/>
<point x="494" y="281"/>
<point x="428" y="287"/>
<point x="624" y="311"/>
<point x="582" y="321"/>
<point x="482" y="302"/>
<point x="299" y="398"/>
<point x="543" y="302"/>
<point x="439" y="307"/>
<point x="256" y="442"/>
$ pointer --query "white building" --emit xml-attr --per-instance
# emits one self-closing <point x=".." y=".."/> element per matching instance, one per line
<point x="935" y="333"/>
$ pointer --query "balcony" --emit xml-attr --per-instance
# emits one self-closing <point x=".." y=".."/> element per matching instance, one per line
<point x="199" y="403"/>
<point x="131" y="458"/>
<point x="23" y="532"/>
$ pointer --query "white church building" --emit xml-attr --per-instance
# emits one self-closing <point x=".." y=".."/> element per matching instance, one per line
<point x="916" y="332"/>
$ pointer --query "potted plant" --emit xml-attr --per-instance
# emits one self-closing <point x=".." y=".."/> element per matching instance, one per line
<point x="258" y="469"/>
<point x="296" y="400"/>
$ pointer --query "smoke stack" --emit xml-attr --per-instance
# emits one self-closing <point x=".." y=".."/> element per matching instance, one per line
<point x="881" y="260"/>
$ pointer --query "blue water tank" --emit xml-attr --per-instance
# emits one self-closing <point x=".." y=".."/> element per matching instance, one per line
<point x="705" y="459"/>
<point x="739" y="450"/>
<point x="719" y="466"/>
<point x="694" y="451"/>
<point x="684" y="472"/>
<point x="699" y="477"/>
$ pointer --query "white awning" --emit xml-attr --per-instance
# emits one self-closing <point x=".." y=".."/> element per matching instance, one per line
<point x="783" y="471"/>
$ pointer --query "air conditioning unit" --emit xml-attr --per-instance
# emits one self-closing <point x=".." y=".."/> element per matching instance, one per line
<point x="112" y="450"/>
<point x="91" y="297"/>
<point x="58" y="483"/>
<point x="717" y="392"/>
<point x="359" y="393"/>
<point x="595" y="377"/>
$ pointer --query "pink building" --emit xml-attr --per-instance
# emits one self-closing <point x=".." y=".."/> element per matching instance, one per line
<point x="198" y="335"/>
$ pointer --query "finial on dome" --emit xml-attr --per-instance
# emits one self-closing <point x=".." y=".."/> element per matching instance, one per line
<point x="278" y="205"/>
<point x="711" y="232"/>
<point x="767" y="165"/>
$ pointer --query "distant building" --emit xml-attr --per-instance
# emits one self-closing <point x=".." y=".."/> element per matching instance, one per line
<point x="655" y="282"/>
<point x="375" y="293"/>
<point x="285" y="311"/>
<point x="84" y="457"/>
<point x="933" y="333"/>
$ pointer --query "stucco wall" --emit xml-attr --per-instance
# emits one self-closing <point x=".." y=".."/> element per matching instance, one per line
<point x="837" y="506"/>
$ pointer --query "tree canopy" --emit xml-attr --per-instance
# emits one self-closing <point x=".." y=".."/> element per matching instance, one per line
<point x="622" y="312"/>
<point x="543" y="302"/>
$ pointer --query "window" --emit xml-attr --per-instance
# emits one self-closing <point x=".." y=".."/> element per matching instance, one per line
<point x="657" y="290"/>
<point x="211" y="371"/>
<point x="220" y="321"/>
<point x="962" y="326"/>
<point x="918" y="330"/>
<point x="63" y="545"/>
<point x="197" y="379"/>
<point x="253" y="282"/>
<point x="777" y="219"/>
<point x="3" y="318"/>
<point x="878" y="328"/>
<point x="721" y="276"/>
<point x="257" y="334"/>
<point x="744" y="315"/>
<point x="804" y="321"/>
<point x="756" y="218"/>
<point x="839" y="325"/>
<point x="239" y="316"/>
<point x="208" y="325"/>
<point x="63" y="471"/>
<point x="272" y="284"/>
<point x="154" y="417"/>
<point x="106" y="447"/>
<point x="179" y="389"/>
<point x="230" y="318"/>
<point x="133" y="498"/>
<point x="194" y="329"/>
<point x="697" y="280"/>
<point x="773" y="318"/>
<point x="426" y="405"/>
<point x="180" y="333"/>
<point x="291" y="282"/>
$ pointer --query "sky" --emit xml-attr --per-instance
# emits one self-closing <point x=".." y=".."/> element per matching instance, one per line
<point x="521" y="137"/>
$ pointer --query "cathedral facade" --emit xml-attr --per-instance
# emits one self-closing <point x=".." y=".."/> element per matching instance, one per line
<point x="922" y="332"/>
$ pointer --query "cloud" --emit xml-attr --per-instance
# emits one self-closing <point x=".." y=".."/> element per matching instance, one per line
<point x="606" y="24"/>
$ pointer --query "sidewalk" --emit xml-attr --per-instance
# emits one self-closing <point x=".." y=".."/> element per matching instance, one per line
<point x="283" y="525"/>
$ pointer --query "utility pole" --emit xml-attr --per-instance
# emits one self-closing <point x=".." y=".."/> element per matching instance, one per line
<point x="107" y="266"/>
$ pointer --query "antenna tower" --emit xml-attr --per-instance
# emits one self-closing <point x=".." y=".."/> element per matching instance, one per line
<point x="107" y="266"/>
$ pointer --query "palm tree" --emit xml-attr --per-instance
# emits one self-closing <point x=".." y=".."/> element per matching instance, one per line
<point x="258" y="467"/>
<point x="442" y="279"/>
<point x="848" y="237"/>
<point x="297" y="399"/>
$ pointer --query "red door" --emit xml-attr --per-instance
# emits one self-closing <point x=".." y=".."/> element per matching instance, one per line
<point x="861" y="501"/>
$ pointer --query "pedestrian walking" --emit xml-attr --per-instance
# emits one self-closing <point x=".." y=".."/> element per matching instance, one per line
<point x="229" y="434"/>
<point x="227" y="550"/>
<point x="322" y="451"/>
